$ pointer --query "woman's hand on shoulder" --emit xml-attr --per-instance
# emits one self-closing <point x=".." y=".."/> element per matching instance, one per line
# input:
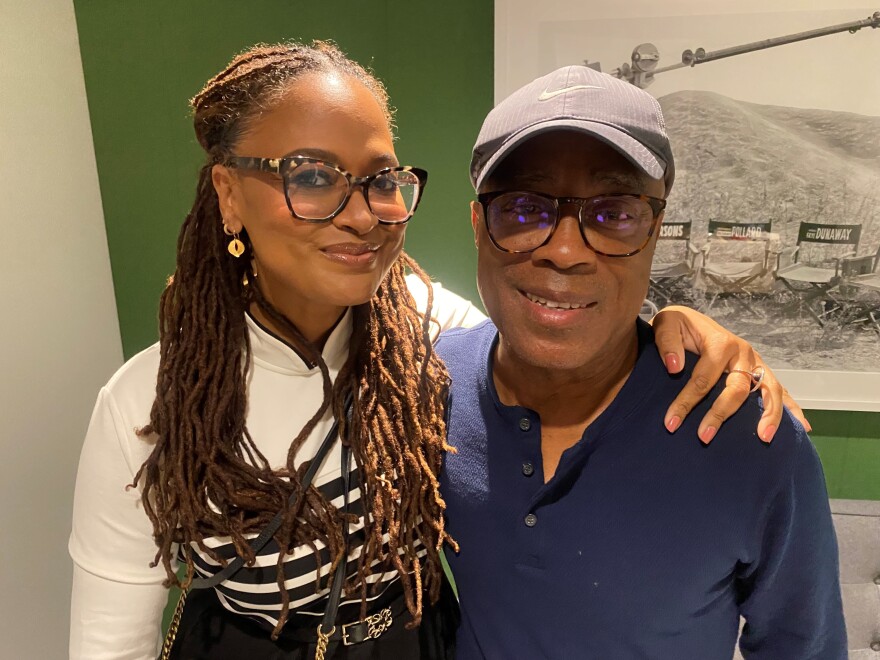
<point x="722" y="354"/>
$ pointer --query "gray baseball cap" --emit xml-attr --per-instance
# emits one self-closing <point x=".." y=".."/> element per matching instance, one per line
<point x="582" y="99"/>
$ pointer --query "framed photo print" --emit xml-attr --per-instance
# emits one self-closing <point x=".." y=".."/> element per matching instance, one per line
<point x="773" y="223"/>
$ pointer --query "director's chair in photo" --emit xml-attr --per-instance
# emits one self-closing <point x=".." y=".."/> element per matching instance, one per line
<point x="676" y="261"/>
<point x="816" y="267"/>
<point x="739" y="261"/>
<point x="858" y="291"/>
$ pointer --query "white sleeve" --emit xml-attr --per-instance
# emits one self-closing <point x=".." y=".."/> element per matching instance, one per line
<point x="449" y="310"/>
<point x="117" y="600"/>
<point x="114" y="621"/>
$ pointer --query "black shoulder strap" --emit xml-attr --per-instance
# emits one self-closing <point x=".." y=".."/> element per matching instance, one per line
<point x="328" y="621"/>
<point x="260" y="542"/>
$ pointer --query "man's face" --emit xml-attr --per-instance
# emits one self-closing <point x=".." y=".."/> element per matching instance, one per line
<point x="604" y="294"/>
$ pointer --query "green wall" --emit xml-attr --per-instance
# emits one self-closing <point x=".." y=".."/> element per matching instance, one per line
<point x="849" y="446"/>
<point x="143" y="61"/>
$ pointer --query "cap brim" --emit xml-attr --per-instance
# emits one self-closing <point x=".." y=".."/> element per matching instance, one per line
<point x="628" y="146"/>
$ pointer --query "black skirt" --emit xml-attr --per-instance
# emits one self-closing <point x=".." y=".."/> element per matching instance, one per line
<point x="208" y="631"/>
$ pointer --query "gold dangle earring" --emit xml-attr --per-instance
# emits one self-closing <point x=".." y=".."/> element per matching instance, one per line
<point x="235" y="247"/>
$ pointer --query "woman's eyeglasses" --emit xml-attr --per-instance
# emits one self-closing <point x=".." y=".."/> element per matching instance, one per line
<point x="317" y="191"/>
<point x="614" y="225"/>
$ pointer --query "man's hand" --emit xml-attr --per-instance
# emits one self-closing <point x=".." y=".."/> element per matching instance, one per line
<point x="677" y="329"/>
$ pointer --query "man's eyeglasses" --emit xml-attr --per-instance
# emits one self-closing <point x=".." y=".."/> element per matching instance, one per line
<point x="317" y="191"/>
<point x="614" y="225"/>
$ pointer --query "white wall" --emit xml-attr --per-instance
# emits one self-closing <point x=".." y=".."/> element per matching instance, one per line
<point x="59" y="335"/>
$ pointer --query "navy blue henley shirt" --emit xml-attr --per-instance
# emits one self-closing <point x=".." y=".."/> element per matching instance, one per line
<point x="644" y="544"/>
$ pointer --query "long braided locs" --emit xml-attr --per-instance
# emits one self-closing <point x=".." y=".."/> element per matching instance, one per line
<point x="206" y="476"/>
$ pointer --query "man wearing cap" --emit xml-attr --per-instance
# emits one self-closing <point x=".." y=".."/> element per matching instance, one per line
<point x="586" y="529"/>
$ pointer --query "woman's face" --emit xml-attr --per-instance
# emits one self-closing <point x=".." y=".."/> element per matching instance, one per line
<point x="313" y="271"/>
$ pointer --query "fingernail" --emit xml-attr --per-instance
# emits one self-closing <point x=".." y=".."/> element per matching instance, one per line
<point x="673" y="423"/>
<point x="808" y="427"/>
<point x="768" y="433"/>
<point x="707" y="434"/>
<point x="672" y="364"/>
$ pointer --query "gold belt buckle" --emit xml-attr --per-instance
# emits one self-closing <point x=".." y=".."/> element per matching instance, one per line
<point x="376" y="624"/>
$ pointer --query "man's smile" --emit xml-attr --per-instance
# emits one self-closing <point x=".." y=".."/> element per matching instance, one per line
<point x="556" y="303"/>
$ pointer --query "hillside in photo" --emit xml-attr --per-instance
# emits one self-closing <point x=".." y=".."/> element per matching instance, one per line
<point x="738" y="161"/>
<point x="749" y="163"/>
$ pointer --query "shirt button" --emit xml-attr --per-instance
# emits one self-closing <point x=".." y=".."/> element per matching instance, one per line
<point x="528" y="469"/>
<point x="875" y="646"/>
<point x="877" y="580"/>
<point x="525" y="424"/>
<point x="531" y="520"/>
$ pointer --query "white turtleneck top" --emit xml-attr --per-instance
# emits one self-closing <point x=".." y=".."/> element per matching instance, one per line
<point x="118" y="599"/>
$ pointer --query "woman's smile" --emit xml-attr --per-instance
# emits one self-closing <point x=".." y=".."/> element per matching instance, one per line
<point x="353" y="254"/>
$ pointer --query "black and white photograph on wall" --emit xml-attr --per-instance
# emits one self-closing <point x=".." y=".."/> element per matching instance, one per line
<point x="773" y="224"/>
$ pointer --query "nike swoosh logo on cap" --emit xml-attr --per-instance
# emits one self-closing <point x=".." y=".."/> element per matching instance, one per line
<point x="546" y="95"/>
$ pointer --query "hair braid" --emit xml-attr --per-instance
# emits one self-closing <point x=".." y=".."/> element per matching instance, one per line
<point x="206" y="476"/>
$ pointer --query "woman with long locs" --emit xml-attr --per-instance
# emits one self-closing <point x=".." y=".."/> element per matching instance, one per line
<point x="276" y="453"/>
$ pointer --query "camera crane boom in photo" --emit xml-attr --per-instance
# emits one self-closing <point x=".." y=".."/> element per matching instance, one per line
<point x="645" y="57"/>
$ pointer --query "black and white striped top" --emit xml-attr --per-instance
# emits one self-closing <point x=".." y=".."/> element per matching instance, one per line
<point x="253" y="591"/>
